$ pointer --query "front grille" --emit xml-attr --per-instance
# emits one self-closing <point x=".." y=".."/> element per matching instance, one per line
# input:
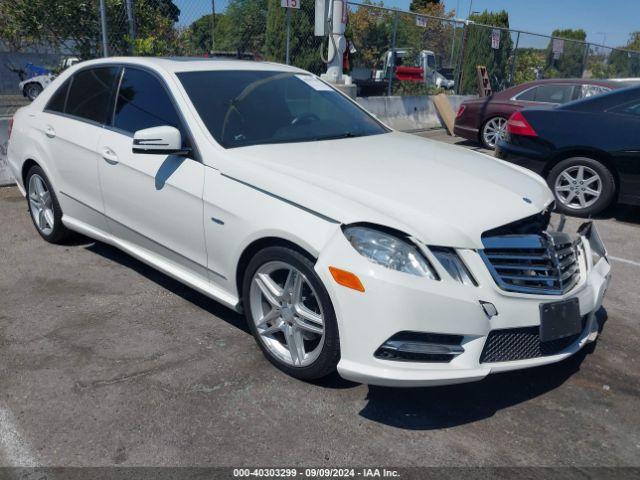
<point x="522" y="343"/>
<point x="542" y="264"/>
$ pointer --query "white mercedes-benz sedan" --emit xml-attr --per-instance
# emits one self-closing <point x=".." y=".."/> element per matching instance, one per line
<point x="394" y="259"/>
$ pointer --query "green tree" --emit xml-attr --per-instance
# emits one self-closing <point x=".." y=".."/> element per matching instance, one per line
<point x="74" y="25"/>
<point x="569" y="63"/>
<point x="528" y="62"/>
<point x="247" y="25"/>
<point x="626" y="63"/>
<point x="422" y="5"/>
<point x="478" y="51"/>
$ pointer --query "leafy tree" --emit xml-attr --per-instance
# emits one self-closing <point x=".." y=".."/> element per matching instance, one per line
<point x="478" y="51"/>
<point x="626" y="64"/>
<point x="247" y="25"/>
<point x="197" y="37"/>
<point x="370" y="30"/>
<point x="74" y="25"/>
<point x="528" y="62"/>
<point x="570" y="61"/>
<point x="422" y="5"/>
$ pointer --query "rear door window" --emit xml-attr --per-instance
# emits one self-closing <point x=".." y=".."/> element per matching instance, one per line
<point x="591" y="90"/>
<point x="90" y="94"/>
<point x="554" y="93"/>
<point x="528" y="95"/>
<point x="59" y="98"/>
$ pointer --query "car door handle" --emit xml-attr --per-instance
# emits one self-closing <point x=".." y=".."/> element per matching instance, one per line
<point x="50" y="132"/>
<point x="109" y="156"/>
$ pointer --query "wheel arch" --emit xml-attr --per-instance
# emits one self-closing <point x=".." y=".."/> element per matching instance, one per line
<point x="260" y="244"/>
<point x="26" y="166"/>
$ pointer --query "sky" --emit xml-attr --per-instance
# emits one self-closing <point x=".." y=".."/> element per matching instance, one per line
<point x="605" y="21"/>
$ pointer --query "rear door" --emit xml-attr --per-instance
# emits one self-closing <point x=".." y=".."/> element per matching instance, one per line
<point x="71" y="125"/>
<point x="152" y="201"/>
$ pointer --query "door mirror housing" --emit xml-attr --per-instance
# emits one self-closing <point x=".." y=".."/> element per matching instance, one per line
<point x="164" y="140"/>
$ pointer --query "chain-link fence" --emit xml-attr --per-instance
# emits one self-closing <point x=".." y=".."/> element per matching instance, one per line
<point x="390" y="51"/>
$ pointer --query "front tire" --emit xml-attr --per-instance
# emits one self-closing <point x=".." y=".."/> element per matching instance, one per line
<point x="44" y="208"/>
<point x="582" y="186"/>
<point x="290" y="314"/>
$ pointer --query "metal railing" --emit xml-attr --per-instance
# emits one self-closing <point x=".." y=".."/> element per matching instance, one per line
<point x="263" y="29"/>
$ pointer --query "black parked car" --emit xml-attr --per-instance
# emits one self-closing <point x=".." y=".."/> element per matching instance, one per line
<point x="588" y="150"/>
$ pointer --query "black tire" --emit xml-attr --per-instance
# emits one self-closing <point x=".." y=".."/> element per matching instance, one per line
<point x="329" y="356"/>
<point x="607" y="180"/>
<point x="32" y="90"/>
<point x="59" y="233"/>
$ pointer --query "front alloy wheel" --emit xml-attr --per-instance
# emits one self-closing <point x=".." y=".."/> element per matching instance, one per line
<point x="290" y="314"/>
<point x="493" y="131"/>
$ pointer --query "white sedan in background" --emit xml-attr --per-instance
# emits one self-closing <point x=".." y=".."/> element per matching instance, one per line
<point x="395" y="259"/>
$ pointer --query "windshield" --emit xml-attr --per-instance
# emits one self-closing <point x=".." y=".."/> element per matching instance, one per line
<point x="242" y="108"/>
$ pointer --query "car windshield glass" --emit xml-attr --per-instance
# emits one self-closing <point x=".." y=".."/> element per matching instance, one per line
<point x="242" y="108"/>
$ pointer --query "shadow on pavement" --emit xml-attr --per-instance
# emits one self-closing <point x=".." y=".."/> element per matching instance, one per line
<point x="168" y="283"/>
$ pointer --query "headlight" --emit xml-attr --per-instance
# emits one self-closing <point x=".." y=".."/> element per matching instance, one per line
<point x="389" y="251"/>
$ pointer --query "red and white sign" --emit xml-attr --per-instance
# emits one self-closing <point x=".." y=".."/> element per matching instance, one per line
<point x="290" y="3"/>
<point x="495" y="38"/>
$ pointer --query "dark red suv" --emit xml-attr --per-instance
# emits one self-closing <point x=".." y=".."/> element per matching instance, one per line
<point x="484" y="119"/>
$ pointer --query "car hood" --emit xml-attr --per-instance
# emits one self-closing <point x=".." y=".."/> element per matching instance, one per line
<point x="438" y="193"/>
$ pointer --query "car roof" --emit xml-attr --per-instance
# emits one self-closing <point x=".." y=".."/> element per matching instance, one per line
<point x="192" y="64"/>
<point x="510" y="92"/>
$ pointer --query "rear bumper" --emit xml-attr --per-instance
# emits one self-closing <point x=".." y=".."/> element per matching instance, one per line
<point x="525" y="158"/>
<point x="470" y="133"/>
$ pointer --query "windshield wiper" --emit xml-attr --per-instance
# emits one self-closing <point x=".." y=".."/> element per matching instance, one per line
<point x="340" y="135"/>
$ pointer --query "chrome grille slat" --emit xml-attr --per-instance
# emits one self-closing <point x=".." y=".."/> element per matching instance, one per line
<point x="545" y="264"/>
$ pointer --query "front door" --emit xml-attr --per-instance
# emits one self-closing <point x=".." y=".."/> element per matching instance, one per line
<point x="152" y="202"/>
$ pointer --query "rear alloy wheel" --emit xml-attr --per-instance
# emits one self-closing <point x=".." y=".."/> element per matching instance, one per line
<point x="43" y="207"/>
<point x="493" y="131"/>
<point x="32" y="90"/>
<point x="289" y="313"/>
<point x="582" y="186"/>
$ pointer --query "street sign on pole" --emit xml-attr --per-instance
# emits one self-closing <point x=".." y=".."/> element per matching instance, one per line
<point x="558" y="47"/>
<point x="495" y="38"/>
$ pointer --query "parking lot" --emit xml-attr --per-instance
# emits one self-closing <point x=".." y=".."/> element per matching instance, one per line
<point x="104" y="361"/>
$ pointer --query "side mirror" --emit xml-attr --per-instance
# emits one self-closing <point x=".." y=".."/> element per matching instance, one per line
<point x="164" y="140"/>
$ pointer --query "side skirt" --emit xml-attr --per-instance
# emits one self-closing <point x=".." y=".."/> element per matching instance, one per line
<point x="169" y="268"/>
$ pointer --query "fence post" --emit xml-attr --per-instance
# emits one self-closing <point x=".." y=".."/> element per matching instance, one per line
<point x="515" y="59"/>
<point x="288" y="33"/>
<point x="392" y="63"/>
<point x="463" y="44"/>
<point x="103" y="28"/>
<point x="585" y="57"/>
<point x="132" y="25"/>
<point x="213" y="26"/>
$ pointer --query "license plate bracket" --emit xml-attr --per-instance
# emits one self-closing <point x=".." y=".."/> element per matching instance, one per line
<point x="560" y="319"/>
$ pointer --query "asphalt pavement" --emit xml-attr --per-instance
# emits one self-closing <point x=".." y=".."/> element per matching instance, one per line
<point x="105" y="361"/>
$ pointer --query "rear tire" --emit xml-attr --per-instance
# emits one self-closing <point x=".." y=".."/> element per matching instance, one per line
<point x="44" y="208"/>
<point x="306" y="320"/>
<point x="32" y="90"/>
<point x="582" y="186"/>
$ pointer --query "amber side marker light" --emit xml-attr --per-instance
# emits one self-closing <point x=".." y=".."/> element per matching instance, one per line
<point x="346" y="279"/>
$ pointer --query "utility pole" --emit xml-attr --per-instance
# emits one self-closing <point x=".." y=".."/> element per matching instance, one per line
<point x="103" y="26"/>
<point x="132" y="24"/>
